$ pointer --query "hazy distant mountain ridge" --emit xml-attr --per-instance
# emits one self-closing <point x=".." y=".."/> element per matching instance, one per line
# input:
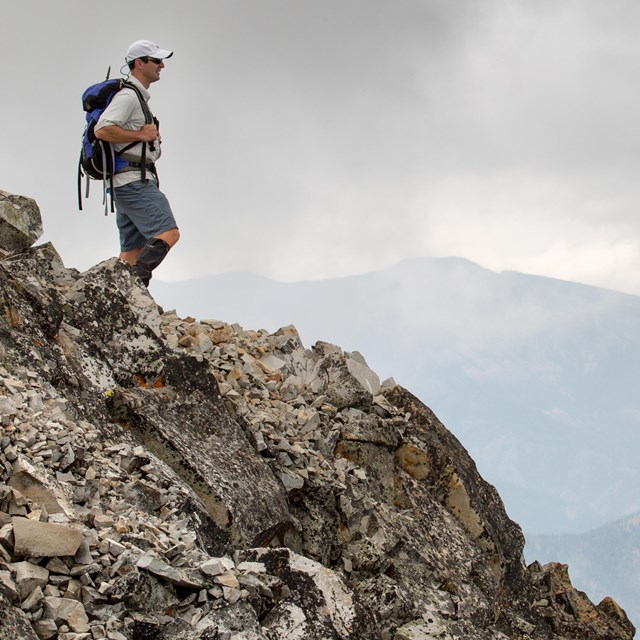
<point x="501" y="357"/>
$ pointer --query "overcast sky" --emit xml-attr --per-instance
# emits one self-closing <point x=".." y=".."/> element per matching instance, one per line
<point x="306" y="139"/>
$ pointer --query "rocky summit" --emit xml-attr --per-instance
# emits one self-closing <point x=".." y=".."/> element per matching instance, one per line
<point x="178" y="479"/>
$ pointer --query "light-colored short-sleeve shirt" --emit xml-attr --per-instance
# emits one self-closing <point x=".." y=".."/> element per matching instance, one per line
<point x="125" y="111"/>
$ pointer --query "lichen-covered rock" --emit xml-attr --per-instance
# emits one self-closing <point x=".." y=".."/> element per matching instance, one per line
<point x="14" y="623"/>
<point x="439" y="463"/>
<point x="235" y="621"/>
<point x="319" y="605"/>
<point x="195" y="436"/>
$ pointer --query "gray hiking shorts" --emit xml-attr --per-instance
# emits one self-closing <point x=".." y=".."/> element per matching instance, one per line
<point x="143" y="212"/>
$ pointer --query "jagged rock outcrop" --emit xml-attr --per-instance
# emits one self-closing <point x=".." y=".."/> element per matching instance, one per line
<point x="166" y="478"/>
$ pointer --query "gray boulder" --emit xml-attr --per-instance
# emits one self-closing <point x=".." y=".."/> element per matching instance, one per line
<point x="20" y="223"/>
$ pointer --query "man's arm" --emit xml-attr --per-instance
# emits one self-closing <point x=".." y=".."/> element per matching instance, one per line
<point x="114" y="133"/>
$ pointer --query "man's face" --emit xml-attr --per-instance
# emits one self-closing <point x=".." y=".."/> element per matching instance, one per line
<point x="151" y="68"/>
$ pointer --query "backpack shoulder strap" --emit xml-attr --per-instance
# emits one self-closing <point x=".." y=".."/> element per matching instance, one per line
<point x="143" y="103"/>
<point x="148" y="118"/>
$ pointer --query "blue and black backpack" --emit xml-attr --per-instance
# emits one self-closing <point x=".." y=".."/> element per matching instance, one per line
<point x="98" y="160"/>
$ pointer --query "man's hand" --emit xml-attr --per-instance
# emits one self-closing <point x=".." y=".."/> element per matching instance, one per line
<point x="148" y="133"/>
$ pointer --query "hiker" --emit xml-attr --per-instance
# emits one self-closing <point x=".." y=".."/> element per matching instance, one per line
<point x="146" y="224"/>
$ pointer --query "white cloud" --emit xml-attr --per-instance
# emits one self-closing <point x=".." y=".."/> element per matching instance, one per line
<point x="307" y="140"/>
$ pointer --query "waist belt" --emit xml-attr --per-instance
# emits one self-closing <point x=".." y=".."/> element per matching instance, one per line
<point x="137" y="166"/>
<point x="143" y="167"/>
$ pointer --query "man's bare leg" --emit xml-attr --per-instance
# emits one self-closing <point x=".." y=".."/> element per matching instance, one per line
<point x="170" y="237"/>
<point x="153" y="253"/>
<point x="131" y="256"/>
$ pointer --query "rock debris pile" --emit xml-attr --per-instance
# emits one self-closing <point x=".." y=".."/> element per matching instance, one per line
<point x="162" y="477"/>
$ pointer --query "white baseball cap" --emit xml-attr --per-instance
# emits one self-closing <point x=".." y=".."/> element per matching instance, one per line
<point x="144" y="48"/>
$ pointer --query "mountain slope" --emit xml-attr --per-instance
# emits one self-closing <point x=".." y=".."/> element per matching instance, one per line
<point x="163" y="478"/>
<point x="538" y="377"/>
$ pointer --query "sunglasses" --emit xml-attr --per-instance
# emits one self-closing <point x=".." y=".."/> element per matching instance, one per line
<point x="154" y="60"/>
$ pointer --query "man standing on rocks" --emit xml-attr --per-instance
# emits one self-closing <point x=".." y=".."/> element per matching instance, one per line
<point x="146" y="224"/>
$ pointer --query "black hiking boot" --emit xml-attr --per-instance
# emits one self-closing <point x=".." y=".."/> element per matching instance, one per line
<point x="153" y="253"/>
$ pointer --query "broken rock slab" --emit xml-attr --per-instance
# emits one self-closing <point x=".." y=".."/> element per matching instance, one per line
<point x="20" y="223"/>
<point x="159" y="568"/>
<point x="344" y="389"/>
<point x="67" y="611"/>
<point x="179" y="577"/>
<point x="39" y="488"/>
<point x="217" y="566"/>
<point x="359" y="369"/>
<point x="29" y="576"/>
<point x="43" y="540"/>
